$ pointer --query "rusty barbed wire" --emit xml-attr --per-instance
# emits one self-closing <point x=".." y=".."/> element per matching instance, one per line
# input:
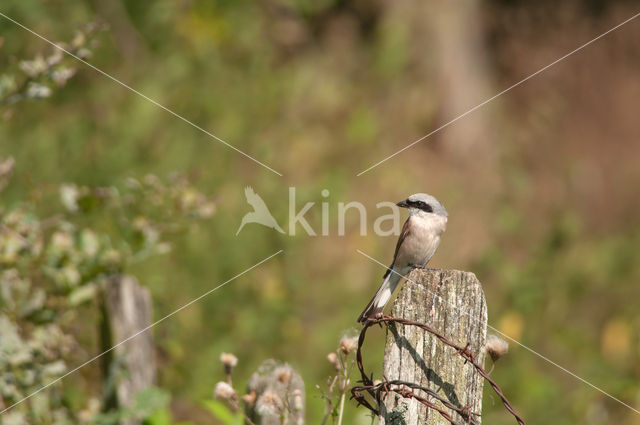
<point x="406" y="389"/>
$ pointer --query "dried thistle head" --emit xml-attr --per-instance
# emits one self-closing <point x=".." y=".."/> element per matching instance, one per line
<point x="250" y="398"/>
<point x="269" y="404"/>
<point x="334" y="360"/>
<point x="283" y="374"/>
<point x="298" y="400"/>
<point x="224" y="391"/>
<point x="496" y="347"/>
<point x="348" y="344"/>
<point x="228" y="360"/>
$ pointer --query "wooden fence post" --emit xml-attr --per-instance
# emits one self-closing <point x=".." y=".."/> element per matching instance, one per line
<point x="130" y="367"/>
<point x="453" y="303"/>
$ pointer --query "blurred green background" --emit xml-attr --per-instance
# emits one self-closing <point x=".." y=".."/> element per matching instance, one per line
<point x="541" y="184"/>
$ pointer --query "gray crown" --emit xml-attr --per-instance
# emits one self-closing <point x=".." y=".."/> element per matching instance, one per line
<point x="438" y="208"/>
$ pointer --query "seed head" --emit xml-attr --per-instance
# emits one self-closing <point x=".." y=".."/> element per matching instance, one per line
<point x="269" y="404"/>
<point x="348" y="344"/>
<point x="224" y="391"/>
<point x="298" y="401"/>
<point x="333" y="359"/>
<point x="228" y="360"/>
<point x="250" y="398"/>
<point x="496" y="347"/>
<point x="283" y="374"/>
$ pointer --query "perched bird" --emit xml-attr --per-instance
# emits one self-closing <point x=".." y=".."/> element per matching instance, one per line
<point x="418" y="242"/>
<point x="260" y="213"/>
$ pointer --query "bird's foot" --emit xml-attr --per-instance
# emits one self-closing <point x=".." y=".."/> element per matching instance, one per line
<point x="374" y="318"/>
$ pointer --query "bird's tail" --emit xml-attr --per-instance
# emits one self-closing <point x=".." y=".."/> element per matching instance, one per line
<point x="241" y="224"/>
<point x="380" y="299"/>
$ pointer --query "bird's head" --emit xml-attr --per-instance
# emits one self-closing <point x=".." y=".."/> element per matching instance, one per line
<point x="423" y="204"/>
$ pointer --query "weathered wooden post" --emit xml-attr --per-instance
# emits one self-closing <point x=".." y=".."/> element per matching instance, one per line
<point x="130" y="367"/>
<point x="452" y="302"/>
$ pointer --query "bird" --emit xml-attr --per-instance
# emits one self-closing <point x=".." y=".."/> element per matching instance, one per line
<point x="260" y="213"/>
<point x="418" y="241"/>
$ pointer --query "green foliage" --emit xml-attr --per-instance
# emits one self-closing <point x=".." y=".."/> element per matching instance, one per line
<point x="318" y="91"/>
<point x="40" y="75"/>
<point x="51" y="267"/>
<point x="148" y="403"/>
<point x="223" y="413"/>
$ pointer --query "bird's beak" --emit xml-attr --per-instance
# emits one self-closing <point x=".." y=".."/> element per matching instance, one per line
<point x="403" y="204"/>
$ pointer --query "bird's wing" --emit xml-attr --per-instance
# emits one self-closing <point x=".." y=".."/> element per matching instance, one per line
<point x="406" y="230"/>
<point x="249" y="193"/>
<point x="254" y="199"/>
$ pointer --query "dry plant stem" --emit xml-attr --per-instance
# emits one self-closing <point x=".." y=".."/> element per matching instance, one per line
<point x="341" y="408"/>
<point x="404" y="389"/>
<point x="343" y="386"/>
<point x="329" y="405"/>
<point x="237" y="408"/>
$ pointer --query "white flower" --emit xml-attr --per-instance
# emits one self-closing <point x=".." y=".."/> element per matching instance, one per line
<point x="34" y="67"/>
<point x="69" y="196"/>
<point x="61" y="75"/>
<point x="38" y="91"/>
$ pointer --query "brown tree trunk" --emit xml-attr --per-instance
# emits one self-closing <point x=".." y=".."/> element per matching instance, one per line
<point x="453" y="303"/>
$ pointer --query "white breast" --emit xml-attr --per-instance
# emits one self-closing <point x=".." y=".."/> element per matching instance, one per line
<point x="423" y="240"/>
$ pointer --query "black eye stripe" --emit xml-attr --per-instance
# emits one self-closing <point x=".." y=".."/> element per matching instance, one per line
<point x="421" y="206"/>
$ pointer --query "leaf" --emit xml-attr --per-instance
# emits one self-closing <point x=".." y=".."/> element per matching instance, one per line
<point x="34" y="303"/>
<point x="89" y="243"/>
<point x="159" y="417"/>
<point x="108" y="418"/>
<point x="146" y="402"/>
<point x="221" y="412"/>
<point x="7" y="84"/>
<point x="82" y="294"/>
